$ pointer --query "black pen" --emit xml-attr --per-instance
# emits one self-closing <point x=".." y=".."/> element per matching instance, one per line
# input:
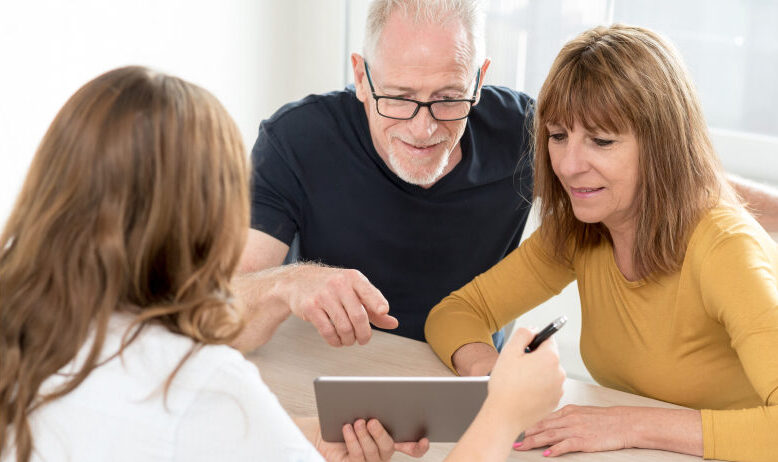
<point x="547" y="332"/>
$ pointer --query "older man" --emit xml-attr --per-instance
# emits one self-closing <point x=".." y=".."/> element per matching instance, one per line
<point x="400" y="189"/>
<point x="406" y="185"/>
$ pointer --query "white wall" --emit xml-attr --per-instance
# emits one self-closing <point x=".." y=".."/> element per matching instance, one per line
<point x="254" y="55"/>
<point x="303" y="49"/>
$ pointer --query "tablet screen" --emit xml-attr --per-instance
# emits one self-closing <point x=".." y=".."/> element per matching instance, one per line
<point x="440" y="408"/>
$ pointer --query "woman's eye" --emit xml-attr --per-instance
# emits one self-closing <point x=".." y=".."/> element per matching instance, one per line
<point x="602" y="142"/>
<point x="557" y="136"/>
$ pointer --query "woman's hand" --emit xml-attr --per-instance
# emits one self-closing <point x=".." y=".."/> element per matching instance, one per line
<point x="579" y="428"/>
<point x="528" y="385"/>
<point x="523" y="388"/>
<point x="368" y="442"/>
<point x="592" y="429"/>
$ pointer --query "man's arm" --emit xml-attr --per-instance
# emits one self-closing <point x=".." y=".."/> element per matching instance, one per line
<point x="761" y="200"/>
<point x="256" y="283"/>
<point x="340" y="303"/>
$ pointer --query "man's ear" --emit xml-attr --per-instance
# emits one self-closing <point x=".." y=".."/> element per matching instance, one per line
<point x="484" y="67"/>
<point x="358" y="66"/>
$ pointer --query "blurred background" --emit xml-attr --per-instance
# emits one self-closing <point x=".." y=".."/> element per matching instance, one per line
<point x="255" y="55"/>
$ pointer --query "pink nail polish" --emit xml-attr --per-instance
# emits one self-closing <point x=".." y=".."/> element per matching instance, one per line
<point x="547" y="452"/>
<point x="517" y="445"/>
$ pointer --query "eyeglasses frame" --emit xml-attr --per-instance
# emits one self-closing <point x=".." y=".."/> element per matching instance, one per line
<point x="420" y="104"/>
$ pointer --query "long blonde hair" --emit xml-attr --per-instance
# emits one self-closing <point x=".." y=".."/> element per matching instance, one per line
<point x="622" y="79"/>
<point x="136" y="201"/>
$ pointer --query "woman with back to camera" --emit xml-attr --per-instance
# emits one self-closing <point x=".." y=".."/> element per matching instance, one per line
<point x="115" y="288"/>
<point x="116" y="305"/>
<point x="678" y="283"/>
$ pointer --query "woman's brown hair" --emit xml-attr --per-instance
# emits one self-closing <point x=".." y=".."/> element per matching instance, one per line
<point x="136" y="201"/>
<point x="623" y="79"/>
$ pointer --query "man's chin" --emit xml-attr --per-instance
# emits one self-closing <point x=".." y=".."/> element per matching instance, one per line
<point x="419" y="175"/>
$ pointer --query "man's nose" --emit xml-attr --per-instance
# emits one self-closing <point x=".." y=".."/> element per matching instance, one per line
<point x="423" y="125"/>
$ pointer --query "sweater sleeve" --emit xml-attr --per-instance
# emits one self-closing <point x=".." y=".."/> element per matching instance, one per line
<point x="740" y="290"/>
<point x="525" y="278"/>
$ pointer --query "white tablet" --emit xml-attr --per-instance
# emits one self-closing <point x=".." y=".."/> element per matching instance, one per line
<point x="440" y="408"/>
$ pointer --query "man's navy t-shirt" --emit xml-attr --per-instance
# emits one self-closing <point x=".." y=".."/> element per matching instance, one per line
<point x="317" y="174"/>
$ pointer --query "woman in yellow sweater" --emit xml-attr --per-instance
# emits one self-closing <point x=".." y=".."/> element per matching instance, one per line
<point x="677" y="281"/>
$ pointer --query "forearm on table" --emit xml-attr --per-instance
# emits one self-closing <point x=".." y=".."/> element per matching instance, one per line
<point x="456" y="322"/>
<point x="265" y="302"/>
<point x="491" y="300"/>
<point x="677" y="430"/>
<point x="474" y="359"/>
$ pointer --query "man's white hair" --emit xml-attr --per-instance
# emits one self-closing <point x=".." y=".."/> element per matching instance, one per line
<point x="468" y="12"/>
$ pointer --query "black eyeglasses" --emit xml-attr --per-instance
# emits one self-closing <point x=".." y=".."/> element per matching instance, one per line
<point x="445" y="110"/>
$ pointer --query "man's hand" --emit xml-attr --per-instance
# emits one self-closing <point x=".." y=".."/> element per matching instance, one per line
<point x="340" y="303"/>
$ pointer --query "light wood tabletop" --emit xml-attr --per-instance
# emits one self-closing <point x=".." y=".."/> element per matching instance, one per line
<point x="296" y="355"/>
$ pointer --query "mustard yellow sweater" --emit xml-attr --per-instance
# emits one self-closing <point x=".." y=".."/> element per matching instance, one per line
<point x="705" y="337"/>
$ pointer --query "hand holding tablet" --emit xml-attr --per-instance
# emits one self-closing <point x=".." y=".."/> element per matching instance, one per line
<point x="442" y="408"/>
<point x="409" y="408"/>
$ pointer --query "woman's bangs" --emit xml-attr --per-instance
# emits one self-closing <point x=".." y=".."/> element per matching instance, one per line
<point x="578" y="95"/>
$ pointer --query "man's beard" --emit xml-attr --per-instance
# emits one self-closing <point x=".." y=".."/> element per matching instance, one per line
<point x="426" y="172"/>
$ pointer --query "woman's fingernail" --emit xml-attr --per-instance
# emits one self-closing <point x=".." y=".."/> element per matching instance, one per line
<point x="517" y="445"/>
<point x="547" y="453"/>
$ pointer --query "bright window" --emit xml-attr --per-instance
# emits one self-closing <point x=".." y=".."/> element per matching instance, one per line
<point x="730" y="48"/>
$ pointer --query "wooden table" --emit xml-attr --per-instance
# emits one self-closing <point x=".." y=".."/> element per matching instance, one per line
<point x="297" y="354"/>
